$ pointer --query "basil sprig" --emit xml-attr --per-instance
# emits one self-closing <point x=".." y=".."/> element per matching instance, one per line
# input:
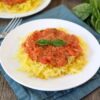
<point x="43" y="42"/>
<point x="56" y="42"/>
<point x="89" y="11"/>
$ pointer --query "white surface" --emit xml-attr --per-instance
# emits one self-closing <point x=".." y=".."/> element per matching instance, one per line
<point x="10" y="46"/>
<point x="8" y="15"/>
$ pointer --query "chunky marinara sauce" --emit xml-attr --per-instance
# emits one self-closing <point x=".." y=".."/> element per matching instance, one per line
<point x="53" y="55"/>
<point x="13" y="2"/>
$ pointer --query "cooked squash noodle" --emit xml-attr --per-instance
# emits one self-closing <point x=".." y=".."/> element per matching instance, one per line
<point x="20" y="8"/>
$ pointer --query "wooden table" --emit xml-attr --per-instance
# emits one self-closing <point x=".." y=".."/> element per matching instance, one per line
<point x="6" y="92"/>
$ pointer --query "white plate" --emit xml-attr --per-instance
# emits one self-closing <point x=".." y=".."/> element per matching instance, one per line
<point x="8" y="15"/>
<point x="10" y="46"/>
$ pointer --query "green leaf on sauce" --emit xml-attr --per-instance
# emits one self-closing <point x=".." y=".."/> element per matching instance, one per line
<point x="56" y="42"/>
<point x="43" y="42"/>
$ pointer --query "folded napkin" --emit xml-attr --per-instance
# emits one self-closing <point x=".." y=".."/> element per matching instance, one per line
<point x="24" y="93"/>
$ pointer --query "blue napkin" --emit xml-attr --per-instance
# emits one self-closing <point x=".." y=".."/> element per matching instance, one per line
<point x="24" y="93"/>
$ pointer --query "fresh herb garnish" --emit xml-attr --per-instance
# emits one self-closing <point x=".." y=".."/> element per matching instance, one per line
<point x="83" y="10"/>
<point x="89" y="11"/>
<point x="43" y="42"/>
<point x="56" y="42"/>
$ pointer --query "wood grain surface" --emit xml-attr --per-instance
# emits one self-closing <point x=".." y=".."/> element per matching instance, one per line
<point x="6" y="92"/>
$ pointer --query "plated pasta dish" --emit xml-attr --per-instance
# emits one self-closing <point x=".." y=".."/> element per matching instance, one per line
<point x="19" y="6"/>
<point x="51" y="53"/>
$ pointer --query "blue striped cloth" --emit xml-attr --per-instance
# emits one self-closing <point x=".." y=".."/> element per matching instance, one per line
<point x="24" y="93"/>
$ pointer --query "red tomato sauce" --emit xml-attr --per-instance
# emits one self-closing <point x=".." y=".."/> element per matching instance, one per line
<point x="13" y="2"/>
<point x="55" y="56"/>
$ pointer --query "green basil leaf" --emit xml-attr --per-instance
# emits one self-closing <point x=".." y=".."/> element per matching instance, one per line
<point x="97" y="25"/>
<point x="83" y="10"/>
<point x="43" y="42"/>
<point x="95" y="4"/>
<point x="90" y="13"/>
<point x="93" y="20"/>
<point x="58" y="42"/>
